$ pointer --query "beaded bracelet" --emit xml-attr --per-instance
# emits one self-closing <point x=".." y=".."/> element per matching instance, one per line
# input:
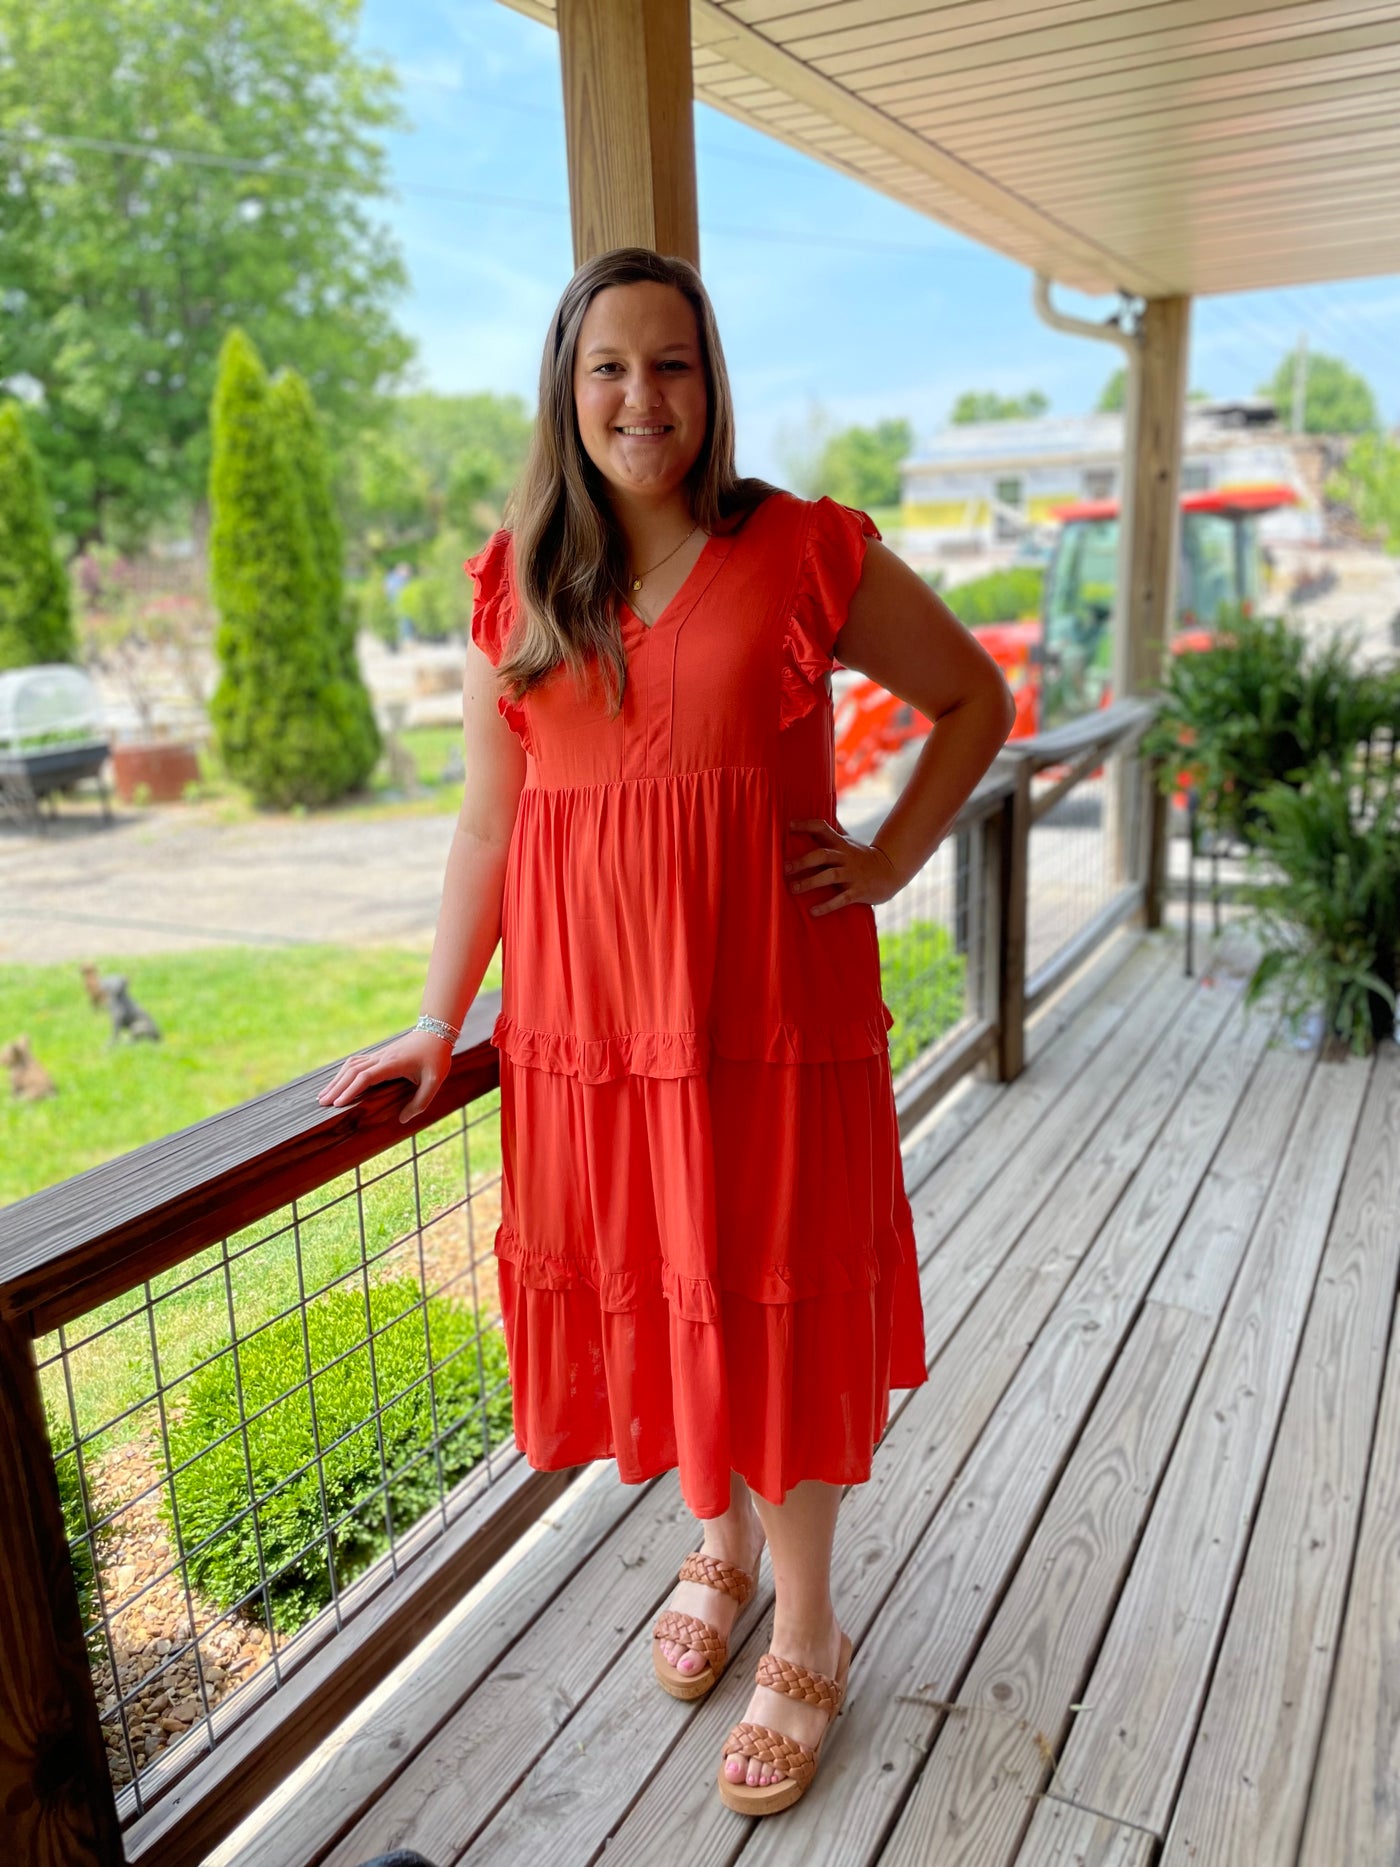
<point x="439" y="1028"/>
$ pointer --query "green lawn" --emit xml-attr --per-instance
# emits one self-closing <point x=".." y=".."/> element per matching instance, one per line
<point x="235" y="1023"/>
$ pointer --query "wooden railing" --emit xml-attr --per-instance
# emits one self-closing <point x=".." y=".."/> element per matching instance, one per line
<point x="112" y="1230"/>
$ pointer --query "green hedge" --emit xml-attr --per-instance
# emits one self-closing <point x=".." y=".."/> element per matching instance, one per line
<point x="74" y="1504"/>
<point x="1000" y="596"/>
<point x="924" y="982"/>
<point x="291" y="720"/>
<point x="36" y="615"/>
<point x="212" y="1493"/>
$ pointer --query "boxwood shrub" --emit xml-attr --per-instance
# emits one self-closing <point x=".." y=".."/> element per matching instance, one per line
<point x="212" y="1494"/>
<point x="924" y="983"/>
<point x="73" y="1500"/>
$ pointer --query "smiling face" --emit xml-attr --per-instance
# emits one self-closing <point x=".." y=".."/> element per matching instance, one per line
<point x="639" y="389"/>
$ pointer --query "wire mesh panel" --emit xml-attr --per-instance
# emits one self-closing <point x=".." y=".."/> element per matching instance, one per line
<point x="934" y="961"/>
<point x="1088" y="850"/>
<point x="251" y="1445"/>
<point x="1071" y="863"/>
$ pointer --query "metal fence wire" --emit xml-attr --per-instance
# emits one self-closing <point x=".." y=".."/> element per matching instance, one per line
<point x="934" y="960"/>
<point x="251" y="1445"/>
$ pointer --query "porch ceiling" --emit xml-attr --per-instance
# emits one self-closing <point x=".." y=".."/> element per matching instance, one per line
<point x="1184" y="146"/>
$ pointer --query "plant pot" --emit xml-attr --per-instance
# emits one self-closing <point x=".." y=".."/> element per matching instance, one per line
<point x="164" y="769"/>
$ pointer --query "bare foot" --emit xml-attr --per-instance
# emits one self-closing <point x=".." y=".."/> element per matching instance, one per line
<point x="733" y="1538"/>
<point x="817" y="1648"/>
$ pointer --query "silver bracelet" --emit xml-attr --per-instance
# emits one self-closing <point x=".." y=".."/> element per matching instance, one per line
<point x="439" y="1028"/>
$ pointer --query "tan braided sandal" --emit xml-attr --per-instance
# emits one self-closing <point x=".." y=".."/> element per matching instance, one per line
<point x="729" y="1579"/>
<point x="798" y="1762"/>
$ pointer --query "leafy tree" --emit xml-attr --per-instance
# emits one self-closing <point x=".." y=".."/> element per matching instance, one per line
<point x="435" y="460"/>
<point x="1113" y="394"/>
<point x="1336" y="400"/>
<point x="287" y="721"/>
<point x="860" y="466"/>
<point x="801" y="446"/>
<point x="36" y="615"/>
<point x="987" y="405"/>
<point x="1369" y="482"/>
<point x="1115" y="390"/>
<point x="121" y="270"/>
<point x="300" y="433"/>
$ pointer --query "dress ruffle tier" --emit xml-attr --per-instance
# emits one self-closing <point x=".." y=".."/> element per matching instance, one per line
<point x="706" y="1256"/>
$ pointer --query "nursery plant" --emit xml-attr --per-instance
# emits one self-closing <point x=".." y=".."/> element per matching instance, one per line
<point x="1325" y="898"/>
<point x="1260" y="707"/>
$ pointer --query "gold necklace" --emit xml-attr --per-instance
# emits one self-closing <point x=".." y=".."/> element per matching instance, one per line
<point x="637" y="582"/>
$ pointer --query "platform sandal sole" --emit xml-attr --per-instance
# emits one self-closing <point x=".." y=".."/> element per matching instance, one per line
<point x="771" y="1798"/>
<point x="688" y="1630"/>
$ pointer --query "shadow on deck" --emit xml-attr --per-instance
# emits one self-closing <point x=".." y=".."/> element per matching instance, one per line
<point x="1123" y="1587"/>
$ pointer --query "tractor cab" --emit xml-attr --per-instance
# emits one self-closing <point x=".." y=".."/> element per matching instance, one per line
<point x="1218" y="572"/>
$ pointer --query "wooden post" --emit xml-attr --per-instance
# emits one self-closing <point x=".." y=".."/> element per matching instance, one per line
<point x="56" y="1802"/>
<point x="1154" y="495"/>
<point x="1151" y="514"/>
<point x="629" y="125"/>
<point x="1012" y="929"/>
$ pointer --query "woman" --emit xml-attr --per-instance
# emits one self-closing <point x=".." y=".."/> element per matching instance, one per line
<point x="706" y="1256"/>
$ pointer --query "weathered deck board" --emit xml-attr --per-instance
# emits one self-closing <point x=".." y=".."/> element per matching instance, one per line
<point x="1158" y="1273"/>
<point x="1354" y="1812"/>
<point x="1039" y="1355"/>
<point x="1128" y="1747"/>
<point x="1245" y="1792"/>
<point x="960" y="1111"/>
<point x="1097" y="1448"/>
<point x="349" y="1772"/>
<point x="564" y="1798"/>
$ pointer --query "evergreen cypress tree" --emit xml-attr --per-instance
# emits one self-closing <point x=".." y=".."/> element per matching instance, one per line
<point x="306" y="455"/>
<point x="283" y="714"/>
<point x="36" y="611"/>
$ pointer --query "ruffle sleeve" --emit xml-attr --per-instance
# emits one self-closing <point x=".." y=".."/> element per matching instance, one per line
<point x="833" y="556"/>
<point x="492" y="570"/>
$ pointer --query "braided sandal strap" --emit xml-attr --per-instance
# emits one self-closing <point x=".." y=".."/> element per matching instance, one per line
<point x="771" y="1747"/>
<point x="714" y="1572"/>
<point x="798" y="1682"/>
<point x="686" y="1631"/>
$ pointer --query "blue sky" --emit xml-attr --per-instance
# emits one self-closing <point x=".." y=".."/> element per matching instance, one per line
<point x="833" y="301"/>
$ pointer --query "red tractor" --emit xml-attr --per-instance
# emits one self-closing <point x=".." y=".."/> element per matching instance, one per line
<point x="1058" y="664"/>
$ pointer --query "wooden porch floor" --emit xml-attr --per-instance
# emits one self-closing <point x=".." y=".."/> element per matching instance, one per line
<point x="1125" y="1586"/>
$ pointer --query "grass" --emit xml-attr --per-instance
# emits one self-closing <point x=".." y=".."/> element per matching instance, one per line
<point x="236" y="1022"/>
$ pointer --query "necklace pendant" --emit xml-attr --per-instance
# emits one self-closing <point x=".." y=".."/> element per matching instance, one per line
<point x="636" y="583"/>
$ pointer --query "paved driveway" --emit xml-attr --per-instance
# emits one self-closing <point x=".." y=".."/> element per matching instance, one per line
<point x="163" y="881"/>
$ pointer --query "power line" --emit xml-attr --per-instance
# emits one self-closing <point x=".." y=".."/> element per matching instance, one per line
<point x="270" y="167"/>
<point x="542" y="112"/>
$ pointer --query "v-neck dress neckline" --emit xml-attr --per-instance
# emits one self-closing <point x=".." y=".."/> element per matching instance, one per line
<point x="711" y="556"/>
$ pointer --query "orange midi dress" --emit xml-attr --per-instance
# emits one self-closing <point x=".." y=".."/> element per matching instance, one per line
<point x="706" y="1255"/>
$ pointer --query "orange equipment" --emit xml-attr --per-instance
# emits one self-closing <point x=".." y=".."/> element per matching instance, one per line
<point x="1058" y="664"/>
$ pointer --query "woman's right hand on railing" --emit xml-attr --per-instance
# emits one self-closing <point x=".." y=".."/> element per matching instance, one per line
<point x="420" y="1057"/>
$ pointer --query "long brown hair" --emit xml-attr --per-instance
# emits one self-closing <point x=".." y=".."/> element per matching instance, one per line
<point x="569" y="552"/>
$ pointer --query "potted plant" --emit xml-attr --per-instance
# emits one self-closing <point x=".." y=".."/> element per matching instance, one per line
<point x="134" y="638"/>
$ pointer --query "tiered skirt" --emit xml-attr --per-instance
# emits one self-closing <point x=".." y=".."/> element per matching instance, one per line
<point x="712" y="1271"/>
